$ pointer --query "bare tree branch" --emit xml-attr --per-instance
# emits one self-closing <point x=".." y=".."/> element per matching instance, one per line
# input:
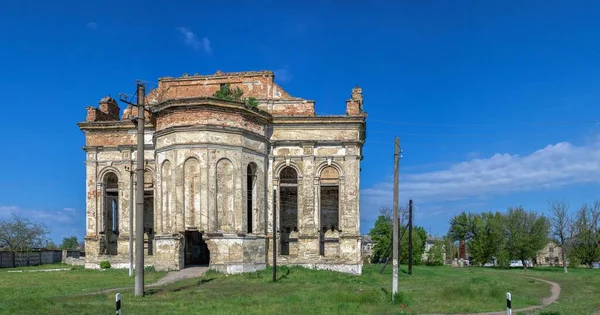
<point x="560" y="226"/>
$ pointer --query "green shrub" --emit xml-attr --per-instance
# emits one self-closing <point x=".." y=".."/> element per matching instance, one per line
<point x="105" y="264"/>
<point x="149" y="269"/>
<point x="252" y="102"/>
<point x="401" y="298"/>
<point x="228" y="94"/>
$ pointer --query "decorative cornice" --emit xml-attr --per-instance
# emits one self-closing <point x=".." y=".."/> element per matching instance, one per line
<point x="275" y="143"/>
<point x="334" y="119"/>
<point x="213" y="128"/>
<point x="209" y="146"/>
<point x="118" y="148"/>
<point x="210" y="103"/>
<point x="111" y="125"/>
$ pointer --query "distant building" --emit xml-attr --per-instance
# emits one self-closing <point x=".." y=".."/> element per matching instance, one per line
<point x="428" y="245"/>
<point x="551" y="255"/>
<point x="367" y="248"/>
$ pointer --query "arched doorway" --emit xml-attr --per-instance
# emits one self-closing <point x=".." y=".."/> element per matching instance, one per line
<point x="250" y="196"/>
<point x="111" y="213"/>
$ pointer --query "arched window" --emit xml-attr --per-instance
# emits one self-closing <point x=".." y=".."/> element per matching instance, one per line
<point x="329" y="201"/>
<point x="288" y="205"/>
<point x="251" y="195"/>
<point x="149" y="210"/>
<point x="111" y="212"/>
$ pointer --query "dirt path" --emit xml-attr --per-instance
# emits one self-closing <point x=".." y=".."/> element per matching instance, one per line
<point x="172" y="276"/>
<point x="555" y="293"/>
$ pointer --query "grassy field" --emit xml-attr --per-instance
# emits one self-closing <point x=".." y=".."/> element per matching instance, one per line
<point x="40" y="292"/>
<point x="300" y="291"/>
<point x="580" y="289"/>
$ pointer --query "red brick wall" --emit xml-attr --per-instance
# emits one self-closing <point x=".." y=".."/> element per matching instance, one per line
<point x="189" y="117"/>
<point x="110" y="138"/>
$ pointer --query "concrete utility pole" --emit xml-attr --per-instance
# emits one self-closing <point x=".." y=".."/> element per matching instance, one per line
<point x="274" y="234"/>
<point x="410" y="244"/>
<point x="139" y="196"/>
<point x="130" y="222"/>
<point x="395" y="231"/>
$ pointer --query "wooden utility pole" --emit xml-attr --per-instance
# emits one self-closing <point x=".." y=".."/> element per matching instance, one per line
<point x="410" y="243"/>
<point x="139" y="196"/>
<point x="395" y="231"/>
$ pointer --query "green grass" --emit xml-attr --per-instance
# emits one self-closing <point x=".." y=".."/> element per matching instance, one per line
<point x="302" y="291"/>
<point x="40" y="292"/>
<point x="580" y="289"/>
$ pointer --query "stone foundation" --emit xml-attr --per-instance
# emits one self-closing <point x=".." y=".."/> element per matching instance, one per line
<point x="238" y="268"/>
<point x="169" y="253"/>
<point x="345" y="268"/>
<point x="236" y="253"/>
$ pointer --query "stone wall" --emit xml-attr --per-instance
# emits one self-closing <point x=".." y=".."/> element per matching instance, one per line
<point x="231" y="253"/>
<point x="33" y="258"/>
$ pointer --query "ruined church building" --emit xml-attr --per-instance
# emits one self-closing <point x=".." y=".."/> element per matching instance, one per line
<point x="214" y="168"/>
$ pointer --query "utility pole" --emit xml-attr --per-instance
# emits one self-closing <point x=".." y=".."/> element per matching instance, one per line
<point x="139" y="196"/>
<point x="130" y="220"/>
<point x="410" y="244"/>
<point x="274" y="235"/>
<point x="395" y="231"/>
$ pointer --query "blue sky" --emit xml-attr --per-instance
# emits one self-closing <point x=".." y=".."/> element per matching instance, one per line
<point x="495" y="103"/>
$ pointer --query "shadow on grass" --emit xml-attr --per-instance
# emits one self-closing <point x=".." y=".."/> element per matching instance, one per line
<point x="285" y="275"/>
<point x="167" y="289"/>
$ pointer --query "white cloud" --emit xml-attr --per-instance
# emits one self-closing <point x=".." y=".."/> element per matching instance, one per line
<point x="192" y="40"/>
<point x="283" y="74"/>
<point x="92" y="25"/>
<point x="553" y="166"/>
<point x="67" y="215"/>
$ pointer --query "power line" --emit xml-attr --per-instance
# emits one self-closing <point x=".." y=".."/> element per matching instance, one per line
<point x="539" y="123"/>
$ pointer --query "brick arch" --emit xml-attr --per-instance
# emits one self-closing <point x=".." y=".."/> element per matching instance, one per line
<point x="323" y="165"/>
<point x="108" y="169"/>
<point x="283" y="165"/>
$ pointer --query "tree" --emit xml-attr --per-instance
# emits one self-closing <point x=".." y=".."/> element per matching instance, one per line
<point x="69" y="243"/>
<point x="450" y="247"/>
<point x="486" y="236"/>
<point x="435" y="255"/>
<point x="418" y="241"/>
<point x="526" y="233"/>
<point x="381" y="235"/>
<point x="461" y="230"/>
<point x="19" y="234"/>
<point x="560" y="227"/>
<point x="585" y="244"/>
<point x="51" y="245"/>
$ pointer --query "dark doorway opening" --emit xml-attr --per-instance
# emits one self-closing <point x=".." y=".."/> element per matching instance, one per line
<point x="251" y="175"/>
<point x="196" y="250"/>
<point x="149" y="222"/>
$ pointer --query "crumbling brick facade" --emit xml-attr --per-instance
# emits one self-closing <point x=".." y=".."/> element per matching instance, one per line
<point x="215" y="172"/>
